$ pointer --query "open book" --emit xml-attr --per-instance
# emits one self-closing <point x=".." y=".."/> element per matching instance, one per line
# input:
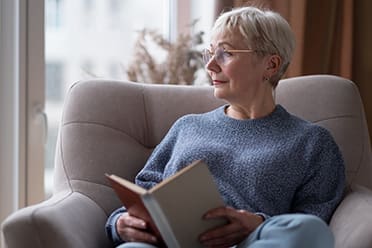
<point x="174" y="208"/>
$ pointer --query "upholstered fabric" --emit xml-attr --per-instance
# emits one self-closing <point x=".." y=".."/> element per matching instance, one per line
<point x="112" y="126"/>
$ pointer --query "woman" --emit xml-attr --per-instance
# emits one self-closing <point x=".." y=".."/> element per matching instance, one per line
<point x="280" y="177"/>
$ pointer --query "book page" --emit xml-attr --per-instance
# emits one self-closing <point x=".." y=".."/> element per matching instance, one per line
<point x="184" y="199"/>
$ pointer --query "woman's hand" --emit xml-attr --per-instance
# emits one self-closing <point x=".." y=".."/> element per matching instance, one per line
<point x="240" y="224"/>
<point x="133" y="229"/>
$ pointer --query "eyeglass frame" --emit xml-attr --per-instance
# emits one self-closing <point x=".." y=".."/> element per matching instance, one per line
<point x="212" y="55"/>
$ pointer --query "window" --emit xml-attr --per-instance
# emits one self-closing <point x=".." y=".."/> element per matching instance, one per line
<point x="53" y="11"/>
<point x="114" y="10"/>
<point x="74" y="52"/>
<point x="95" y="39"/>
<point x="54" y="81"/>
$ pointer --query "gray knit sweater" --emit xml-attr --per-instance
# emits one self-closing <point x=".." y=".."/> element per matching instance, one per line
<point x="272" y="165"/>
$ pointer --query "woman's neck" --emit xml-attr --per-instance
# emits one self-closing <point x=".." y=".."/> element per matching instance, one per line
<point x="251" y="111"/>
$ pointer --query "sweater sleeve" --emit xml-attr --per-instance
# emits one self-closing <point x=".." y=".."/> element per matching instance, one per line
<point x="324" y="182"/>
<point x="110" y="226"/>
<point x="152" y="172"/>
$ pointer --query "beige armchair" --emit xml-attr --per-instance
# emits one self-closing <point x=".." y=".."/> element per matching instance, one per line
<point x="112" y="126"/>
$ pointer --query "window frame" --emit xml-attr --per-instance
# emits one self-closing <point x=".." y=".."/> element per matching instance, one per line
<point x="34" y="80"/>
<point x="22" y="94"/>
<point x="9" y="106"/>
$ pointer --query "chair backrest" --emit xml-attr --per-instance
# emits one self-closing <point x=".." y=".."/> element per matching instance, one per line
<point x="334" y="103"/>
<point x="113" y="126"/>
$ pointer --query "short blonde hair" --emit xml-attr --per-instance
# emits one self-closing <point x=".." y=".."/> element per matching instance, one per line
<point x="265" y="31"/>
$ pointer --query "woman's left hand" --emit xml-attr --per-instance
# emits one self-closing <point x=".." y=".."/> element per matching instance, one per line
<point x="240" y="224"/>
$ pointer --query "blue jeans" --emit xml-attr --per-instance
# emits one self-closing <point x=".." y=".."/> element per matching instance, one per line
<point x="282" y="231"/>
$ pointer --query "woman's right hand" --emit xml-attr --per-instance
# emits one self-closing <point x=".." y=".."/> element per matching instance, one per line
<point x="133" y="229"/>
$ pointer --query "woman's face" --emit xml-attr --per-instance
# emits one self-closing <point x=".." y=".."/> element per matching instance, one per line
<point x="238" y="77"/>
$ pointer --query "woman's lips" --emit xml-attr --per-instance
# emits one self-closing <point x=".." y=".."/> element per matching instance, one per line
<point x="218" y="82"/>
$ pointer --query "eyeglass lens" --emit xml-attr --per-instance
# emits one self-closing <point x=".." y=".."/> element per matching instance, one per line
<point x="219" y="55"/>
<point x="207" y="56"/>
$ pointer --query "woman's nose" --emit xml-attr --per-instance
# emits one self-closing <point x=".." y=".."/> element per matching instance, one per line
<point x="212" y="65"/>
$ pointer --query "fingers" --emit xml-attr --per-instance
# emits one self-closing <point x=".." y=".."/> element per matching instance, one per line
<point x="134" y="235"/>
<point x="247" y="220"/>
<point x="220" y="212"/>
<point x="240" y="224"/>
<point x="133" y="229"/>
<point x="126" y="220"/>
<point x="225" y="236"/>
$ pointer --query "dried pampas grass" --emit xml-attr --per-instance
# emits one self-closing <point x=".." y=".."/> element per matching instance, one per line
<point x="156" y="60"/>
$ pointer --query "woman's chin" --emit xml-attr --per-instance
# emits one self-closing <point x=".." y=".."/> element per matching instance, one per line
<point x="220" y="93"/>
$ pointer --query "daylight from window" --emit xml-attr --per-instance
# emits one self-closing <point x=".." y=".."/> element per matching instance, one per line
<point x="87" y="39"/>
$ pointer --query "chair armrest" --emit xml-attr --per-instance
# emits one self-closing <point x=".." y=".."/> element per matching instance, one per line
<point x="67" y="219"/>
<point x="352" y="221"/>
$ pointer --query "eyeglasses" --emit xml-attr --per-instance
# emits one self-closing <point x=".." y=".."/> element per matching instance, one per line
<point x="222" y="55"/>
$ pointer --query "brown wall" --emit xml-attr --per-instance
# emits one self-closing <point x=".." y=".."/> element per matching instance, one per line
<point x="362" y="50"/>
<point x="333" y="37"/>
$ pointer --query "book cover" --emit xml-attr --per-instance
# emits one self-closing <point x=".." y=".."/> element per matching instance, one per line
<point x="174" y="208"/>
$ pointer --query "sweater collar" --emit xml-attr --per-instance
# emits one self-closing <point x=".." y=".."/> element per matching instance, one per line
<point x="278" y="114"/>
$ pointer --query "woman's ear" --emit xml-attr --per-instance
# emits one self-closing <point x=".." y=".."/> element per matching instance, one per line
<point x="273" y="64"/>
